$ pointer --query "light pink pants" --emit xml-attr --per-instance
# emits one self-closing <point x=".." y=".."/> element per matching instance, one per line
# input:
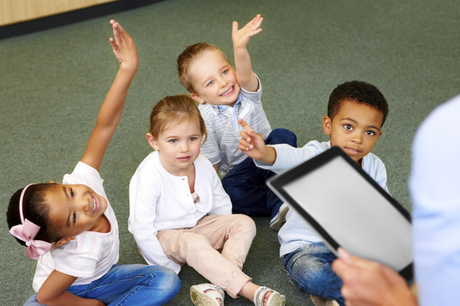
<point x="216" y="248"/>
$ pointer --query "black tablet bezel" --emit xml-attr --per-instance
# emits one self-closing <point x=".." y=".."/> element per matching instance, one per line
<point x="277" y="183"/>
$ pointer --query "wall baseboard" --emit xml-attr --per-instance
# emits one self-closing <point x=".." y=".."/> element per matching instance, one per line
<point x="58" y="20"/>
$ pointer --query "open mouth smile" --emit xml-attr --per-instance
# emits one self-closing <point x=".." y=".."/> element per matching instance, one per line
<point x="228" y="91"/>
<point x="95" y="205"/>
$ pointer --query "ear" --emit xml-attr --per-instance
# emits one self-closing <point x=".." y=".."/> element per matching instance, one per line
<point x="152" y="141"/>
<point x="327" y="125"/>
<point x="197" y="98"/>
<point x="64" y="240"/>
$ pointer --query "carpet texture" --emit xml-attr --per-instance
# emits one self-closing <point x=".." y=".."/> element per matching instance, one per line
<point x="53" y="82"/>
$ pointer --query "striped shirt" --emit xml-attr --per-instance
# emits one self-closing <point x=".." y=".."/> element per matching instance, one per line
<point x="221" y="146"/>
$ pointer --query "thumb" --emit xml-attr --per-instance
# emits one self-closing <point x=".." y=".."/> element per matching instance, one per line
<point x="235" y="26"/>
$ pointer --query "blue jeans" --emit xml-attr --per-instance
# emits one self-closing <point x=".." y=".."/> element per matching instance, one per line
<point x="129" y="285"/>
<point x="245" y="183"/>
<point x="309" y="267"/>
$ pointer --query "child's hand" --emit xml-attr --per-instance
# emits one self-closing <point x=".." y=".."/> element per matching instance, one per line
<point x="124" y="47"/>
<point x="241" y="37"/>
<point x="252" y="144"/>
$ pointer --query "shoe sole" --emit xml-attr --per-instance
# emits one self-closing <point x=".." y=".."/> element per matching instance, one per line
<point x="199" y="298"/>
<point x="280" y="218"/>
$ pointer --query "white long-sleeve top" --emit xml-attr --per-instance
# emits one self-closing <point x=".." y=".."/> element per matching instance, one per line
<point x="159" y="200"/>
<point x="295" y="233"/>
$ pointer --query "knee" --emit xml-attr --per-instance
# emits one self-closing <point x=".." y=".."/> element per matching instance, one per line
<point x="247" y="225"/>
<point x="163" y="279"/>
<point x="165" y="282"/>
<point x="282" y="136"/>
<point x="312" y="275"/>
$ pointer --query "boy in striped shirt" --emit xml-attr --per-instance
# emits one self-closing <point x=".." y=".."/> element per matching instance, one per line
<point x="226" y="95"/>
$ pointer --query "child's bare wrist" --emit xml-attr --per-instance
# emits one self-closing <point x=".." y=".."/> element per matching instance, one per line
<point x="269" y="155"/>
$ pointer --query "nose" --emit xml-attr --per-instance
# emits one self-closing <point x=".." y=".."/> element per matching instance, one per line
<point x="357" y="137"/>
<point x="223" y="82"/>
<point x="85" y="203"/>
<point x="183" y="147"/>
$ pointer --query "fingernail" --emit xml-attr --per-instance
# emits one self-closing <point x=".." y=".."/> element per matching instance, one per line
<point x="343" y="254"/>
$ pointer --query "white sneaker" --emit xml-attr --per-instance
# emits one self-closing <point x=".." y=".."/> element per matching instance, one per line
<point x="280" y="218"/>
<point x="323" y="302"/>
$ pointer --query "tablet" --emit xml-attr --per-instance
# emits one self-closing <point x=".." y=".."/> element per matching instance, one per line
<point x="348" y="209"/>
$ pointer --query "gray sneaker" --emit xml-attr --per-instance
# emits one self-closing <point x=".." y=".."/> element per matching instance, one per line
<point x="280" y="218"/>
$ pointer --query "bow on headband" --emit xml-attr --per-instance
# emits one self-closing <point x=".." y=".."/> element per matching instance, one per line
<point x="26" y="231"/>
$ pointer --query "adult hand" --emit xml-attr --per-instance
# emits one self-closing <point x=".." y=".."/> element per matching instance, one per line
<point x="367" y="283"/>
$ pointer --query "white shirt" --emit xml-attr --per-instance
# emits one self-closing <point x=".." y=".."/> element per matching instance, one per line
<point x="295" y="233"/>
<point x="221" y="146"/>
<point x="434" y="187"/>
<point x="159" y="200"/>
<point x="92" y="254"/>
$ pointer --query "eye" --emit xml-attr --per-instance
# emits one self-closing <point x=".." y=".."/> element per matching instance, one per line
<point x="225" y="71"/>
<point x="72" y="194"/>
<point x="348" y="127"/>
<point x="370" y="133"/>
<point x="173" y="140"/>
<point x="210" y="83"/>
<point x="193" y="138"/>
<point x="74" y="217"/>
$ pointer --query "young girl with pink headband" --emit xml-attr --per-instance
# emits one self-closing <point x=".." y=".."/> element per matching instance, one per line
<point x="71" y="228"/>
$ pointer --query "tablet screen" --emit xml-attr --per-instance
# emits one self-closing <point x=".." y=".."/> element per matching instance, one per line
<point x="347" y="209"/>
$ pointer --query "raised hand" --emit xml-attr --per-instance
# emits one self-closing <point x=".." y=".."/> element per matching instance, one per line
<point x="241" y="37"/>
<point x="123" y="47"/>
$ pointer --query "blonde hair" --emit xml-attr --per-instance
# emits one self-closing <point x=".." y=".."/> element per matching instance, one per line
<point x="172" y="110"/>
<point x="188" y="56"/>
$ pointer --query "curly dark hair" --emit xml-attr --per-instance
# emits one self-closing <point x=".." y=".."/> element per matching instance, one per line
<point x="360" y="92"/>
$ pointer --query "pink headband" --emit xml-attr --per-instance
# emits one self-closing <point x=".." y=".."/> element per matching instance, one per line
<point x="27" y="232"/>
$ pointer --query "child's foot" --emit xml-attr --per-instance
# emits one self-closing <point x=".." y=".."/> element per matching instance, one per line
<point x="267" y="297"/>
<point x="207" y="295"/>
<point x="280" y="218"/>
<point x="323" y="302"/>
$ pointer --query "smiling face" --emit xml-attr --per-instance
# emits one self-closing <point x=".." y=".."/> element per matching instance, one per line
<point x="75" y="209"/>
<point x="214" y="79"/>
<point x="355" y="128"/>
<point x="178" y="145"/>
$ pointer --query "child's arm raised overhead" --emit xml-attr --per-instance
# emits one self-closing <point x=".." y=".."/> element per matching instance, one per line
<point x="53" y="291"/>
<point x="244" y="74"/>
<point x="110" y="113"/>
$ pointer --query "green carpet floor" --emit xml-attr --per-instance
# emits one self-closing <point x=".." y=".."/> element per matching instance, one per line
<point x="53" y="82"/>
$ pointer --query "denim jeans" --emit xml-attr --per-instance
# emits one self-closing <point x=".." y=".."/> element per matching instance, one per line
<point x="245" y="183"/>
<point x="129" y="285"/>
<point x="309" y="267"/>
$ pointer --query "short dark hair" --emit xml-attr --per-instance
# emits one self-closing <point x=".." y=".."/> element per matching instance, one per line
<point x="360" y="92"/>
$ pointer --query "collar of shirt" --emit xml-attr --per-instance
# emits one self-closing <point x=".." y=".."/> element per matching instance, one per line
<point x="222" y="108"/>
